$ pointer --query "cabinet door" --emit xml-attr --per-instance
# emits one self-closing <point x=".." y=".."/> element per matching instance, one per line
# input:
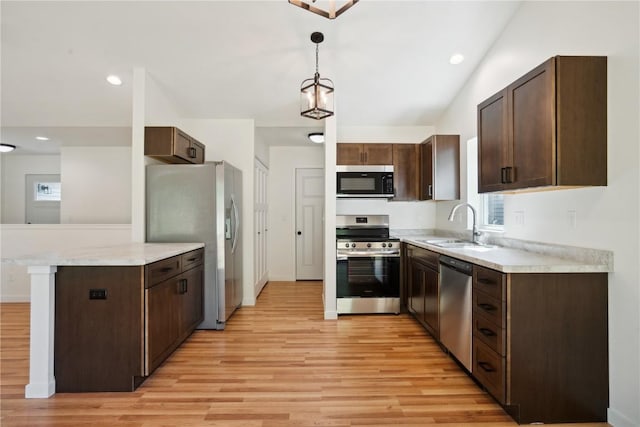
<point x="162" y="322"/>
<point x="377" y="154"/>
<point x="405" y="171"/>
<point x="188" y="148"/>
<point x="349" y="154"/>
<point x="531" y="101"/>
<point x="191" y="289"/>
<point x="426" y="170"/>
<point x="431" y="299"/>
<point x="416" y="289"/>
<point x="492" y="143"/>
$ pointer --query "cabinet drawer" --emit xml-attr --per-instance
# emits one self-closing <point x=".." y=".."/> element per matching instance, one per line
<point x="162" y="270"/>
<point x="424" y="256"/>
<point x="192" y="259"/>
<point x="489" y="333"/>
<point x="489" y="281"/>
<point x="490" y="308"/>
<point x="489" y="370"/>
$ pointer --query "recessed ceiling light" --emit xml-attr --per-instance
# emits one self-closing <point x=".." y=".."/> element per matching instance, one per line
<point x="456" y="58"/>
<point x="42" y="138"/>
<point x="5" y="148"/>
<point x="114" y="80"/>
<point x="317" y="137"/>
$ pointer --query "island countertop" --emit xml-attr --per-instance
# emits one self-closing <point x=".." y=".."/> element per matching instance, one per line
<point x="117" y="255"/>
<point x="510" y="260"/>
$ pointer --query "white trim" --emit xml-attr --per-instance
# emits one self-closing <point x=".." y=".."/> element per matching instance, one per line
<point x="617" y="419"/>
<point x="330" y="315"/>
<point x="15" y="299"/>
<point x="31" y="227"/>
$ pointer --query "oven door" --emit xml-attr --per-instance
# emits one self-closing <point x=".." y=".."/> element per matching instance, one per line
<point x="372" y="276"/>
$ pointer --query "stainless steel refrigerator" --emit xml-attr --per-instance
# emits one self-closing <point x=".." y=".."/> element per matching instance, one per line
<point x="202" y="203"/>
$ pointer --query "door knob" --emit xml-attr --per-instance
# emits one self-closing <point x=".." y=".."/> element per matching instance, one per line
<point x="299" y="233"/>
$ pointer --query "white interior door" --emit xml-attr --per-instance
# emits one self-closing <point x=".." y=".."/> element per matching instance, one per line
<point x="261" y="208"/>
<point x="42" y="199"/>
<point x="309" y="224"/>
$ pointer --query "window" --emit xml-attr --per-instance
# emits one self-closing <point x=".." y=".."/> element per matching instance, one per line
<point x="493" y="211"/>
<point x="47" y="191"/>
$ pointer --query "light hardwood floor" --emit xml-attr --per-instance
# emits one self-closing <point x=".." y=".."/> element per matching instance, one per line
<point x="278" y="364"/>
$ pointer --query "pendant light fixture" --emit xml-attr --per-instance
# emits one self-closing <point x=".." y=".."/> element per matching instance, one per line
<point x="331" y="12"/>
<point x="316" y="94"/>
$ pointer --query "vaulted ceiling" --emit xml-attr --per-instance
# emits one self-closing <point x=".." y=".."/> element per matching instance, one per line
<point x="389" y="60"/>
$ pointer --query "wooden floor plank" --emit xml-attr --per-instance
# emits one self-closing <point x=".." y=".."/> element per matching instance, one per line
<point x="278" y="364"/>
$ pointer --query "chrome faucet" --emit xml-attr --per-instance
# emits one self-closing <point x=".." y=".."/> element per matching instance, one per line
<point x="475" y="233"/>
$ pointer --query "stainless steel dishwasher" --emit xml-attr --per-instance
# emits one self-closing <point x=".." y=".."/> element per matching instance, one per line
<point x="456" y="308"/>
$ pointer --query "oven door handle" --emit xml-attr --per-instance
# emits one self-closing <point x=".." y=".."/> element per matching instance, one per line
<point x="390" y="254"/>
<point x="341" y="258"/>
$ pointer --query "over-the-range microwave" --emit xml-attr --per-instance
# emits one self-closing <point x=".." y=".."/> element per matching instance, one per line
<point x="364" y="181"/>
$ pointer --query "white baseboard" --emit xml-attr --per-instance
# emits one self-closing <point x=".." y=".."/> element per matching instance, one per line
<point x="617" y="419"/>
<point x="330" y="315"/>
<point x="282" y="279"/>
<point x="15" y="298"/>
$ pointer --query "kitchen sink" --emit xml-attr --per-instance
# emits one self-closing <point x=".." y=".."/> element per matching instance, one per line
<point x="457" y="244"/>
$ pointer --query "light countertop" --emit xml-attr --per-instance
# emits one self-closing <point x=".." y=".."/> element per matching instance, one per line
<point x="510" y="260"/>
<point x="118" y="255"/>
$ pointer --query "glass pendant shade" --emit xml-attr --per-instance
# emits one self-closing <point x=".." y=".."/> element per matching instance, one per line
<point x="316" y="98"/>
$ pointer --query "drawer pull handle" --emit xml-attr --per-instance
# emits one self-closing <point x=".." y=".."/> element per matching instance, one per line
<point x="486" y="282"/>
<point x="166" y="269"/>
<point x="193" y="259"/>
<point x="487" y="332"/>
<point x="487" y="307"/>
<point x="182" y="286"/>
<point x="486" y="367"/>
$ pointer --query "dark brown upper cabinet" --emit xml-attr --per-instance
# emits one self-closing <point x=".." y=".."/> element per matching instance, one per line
<point x="406" y="171"/>
<point x="364" y="154"/>
<point x="171" y="145"/>
<point x="548" y="128"/>
<point x="440" y="168"/>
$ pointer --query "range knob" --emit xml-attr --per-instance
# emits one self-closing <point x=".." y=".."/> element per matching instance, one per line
<point x="346" y="245"/>
<point x="368" y="245"/>
<point x="389" y="244"/>
<point x="384" y="245"/>
<point x="353" y="245"/>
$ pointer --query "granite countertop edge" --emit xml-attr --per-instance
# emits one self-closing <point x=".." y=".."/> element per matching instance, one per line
<point x="131" y="254"/>
<point x="510" y="260"/>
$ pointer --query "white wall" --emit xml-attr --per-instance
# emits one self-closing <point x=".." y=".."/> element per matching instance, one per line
<point x="607" y="218"/>
<point x="96" y="185"/>
<point x="402" y="215"/>
<point x="282" y="219"/>
<point x="261" y="149"/>
<point x="14" y="169"/>
<point x="385" y="134"/>
<point x="232" y="141"/>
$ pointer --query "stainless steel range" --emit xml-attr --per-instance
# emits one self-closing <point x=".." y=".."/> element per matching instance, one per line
<point x="368" y="265"/>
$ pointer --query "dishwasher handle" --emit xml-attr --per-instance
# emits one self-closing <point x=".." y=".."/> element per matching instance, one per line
<point x="456" y="264"/>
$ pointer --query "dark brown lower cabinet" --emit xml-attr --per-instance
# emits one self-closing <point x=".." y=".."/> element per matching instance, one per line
<point x="115" y="325"/>
<point x="540" y="344"/>
<point x="98" y="328"/>
<point x="423" y="288"/>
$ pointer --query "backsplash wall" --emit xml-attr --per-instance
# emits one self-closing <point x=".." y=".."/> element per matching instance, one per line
<point x="402" y="215"/>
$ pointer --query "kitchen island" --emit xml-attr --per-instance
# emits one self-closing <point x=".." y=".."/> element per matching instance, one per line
<point x="534" y="325"/>
<point x="100" y="275"/>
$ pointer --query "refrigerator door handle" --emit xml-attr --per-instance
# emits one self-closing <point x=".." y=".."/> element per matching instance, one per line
<point x="234" y="209"/>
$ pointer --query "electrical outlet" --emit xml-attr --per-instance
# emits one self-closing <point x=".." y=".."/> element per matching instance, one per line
<point x="97" y="294"/>
<point x="519" y="218"/>
<point x="572" y="218"/>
